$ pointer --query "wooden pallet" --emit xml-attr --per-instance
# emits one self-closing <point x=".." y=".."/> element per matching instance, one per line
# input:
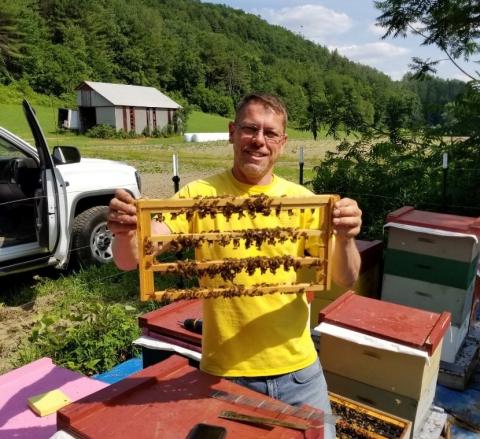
<point x="148" y="210"/>
<point x="457" y="375"/>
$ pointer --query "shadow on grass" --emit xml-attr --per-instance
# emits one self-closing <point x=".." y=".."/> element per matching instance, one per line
<point x="21" y="289"/>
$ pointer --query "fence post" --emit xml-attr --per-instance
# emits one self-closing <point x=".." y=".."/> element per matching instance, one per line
<point x="445" y="172"/>
<point x="301" y="164"/>
<point x="175" y="178"/>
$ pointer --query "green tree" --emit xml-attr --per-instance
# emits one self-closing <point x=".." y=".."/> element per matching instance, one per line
<point x="451" y="25"/>
<point x="11" y="38"/>
<point x="347" y="109"/>
<point x="402" y="111"/>
<point x="317" y="106"/>
<point x="434" y="94"/>
<point x="467" y="114"/>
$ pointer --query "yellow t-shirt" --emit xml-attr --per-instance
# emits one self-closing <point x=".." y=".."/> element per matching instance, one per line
<point x="251" y="336"/>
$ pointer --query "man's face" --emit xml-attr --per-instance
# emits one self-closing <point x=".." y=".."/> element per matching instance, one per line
<point x="258" y="141"/>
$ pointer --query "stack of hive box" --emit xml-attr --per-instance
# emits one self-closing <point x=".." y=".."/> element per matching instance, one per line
<point x="431" y="263"/>
<point x="382" y="354"/>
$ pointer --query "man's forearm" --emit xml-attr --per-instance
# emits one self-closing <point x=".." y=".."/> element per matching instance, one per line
<point x="346" y="262"/>
<point x="125" y="246"/>
<point x="125" y="250"/>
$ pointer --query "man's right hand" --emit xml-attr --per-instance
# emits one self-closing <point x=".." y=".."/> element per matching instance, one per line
<point x="122" y="213"/>
<point x="122" y="222"/>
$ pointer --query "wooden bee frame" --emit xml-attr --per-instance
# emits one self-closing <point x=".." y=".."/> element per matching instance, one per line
<point x="147" y="209"/>
<point x="358" y="420"/>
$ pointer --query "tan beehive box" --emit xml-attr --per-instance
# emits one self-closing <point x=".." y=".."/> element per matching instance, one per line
<point x="382" y="354"/>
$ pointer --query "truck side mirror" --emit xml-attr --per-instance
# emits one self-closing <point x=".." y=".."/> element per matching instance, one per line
<point x="65" y="154"/>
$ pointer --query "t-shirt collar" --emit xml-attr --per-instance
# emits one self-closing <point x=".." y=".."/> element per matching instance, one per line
<point x="252" y="189"/>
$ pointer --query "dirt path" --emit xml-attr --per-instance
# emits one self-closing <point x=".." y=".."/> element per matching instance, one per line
<point x="16" y="322"/>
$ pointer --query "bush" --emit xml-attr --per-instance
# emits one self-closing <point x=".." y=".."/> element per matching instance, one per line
<point x="167" y="131"/>
<point x="90" y="338"/>
<point x="93" y="319"/>
<point x="102" y="132"/>
<point x="385" y="176"/>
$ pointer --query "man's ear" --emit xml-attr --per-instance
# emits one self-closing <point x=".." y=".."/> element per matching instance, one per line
<point x="231" y="131"/>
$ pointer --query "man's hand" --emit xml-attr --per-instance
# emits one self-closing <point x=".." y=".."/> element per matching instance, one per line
<point x="122" y="214"/>
<point x="347" y="218"/>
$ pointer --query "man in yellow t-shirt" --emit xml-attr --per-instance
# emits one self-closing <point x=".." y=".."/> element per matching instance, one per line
<point x="261" y="342"/>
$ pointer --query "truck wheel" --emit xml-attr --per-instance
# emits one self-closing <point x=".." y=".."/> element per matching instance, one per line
<point x="91" y="240"/>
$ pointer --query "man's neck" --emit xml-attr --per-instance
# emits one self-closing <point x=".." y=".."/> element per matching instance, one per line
<point x="260" y="181"/>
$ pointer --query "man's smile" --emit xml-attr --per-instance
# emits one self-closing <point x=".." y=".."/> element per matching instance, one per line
<point x="257" y="154"/>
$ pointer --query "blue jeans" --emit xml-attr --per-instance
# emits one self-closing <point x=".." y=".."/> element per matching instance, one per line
<point x="304" y="386"/>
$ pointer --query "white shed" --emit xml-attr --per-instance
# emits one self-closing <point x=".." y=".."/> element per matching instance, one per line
<point x="125" y="107"/>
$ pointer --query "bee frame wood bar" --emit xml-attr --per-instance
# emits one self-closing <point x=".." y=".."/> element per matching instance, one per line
<point x="147" y="209"/>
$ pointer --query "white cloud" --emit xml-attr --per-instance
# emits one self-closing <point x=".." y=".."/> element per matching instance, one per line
<point x="383" y="56"/>
<point x="376" y="30"/>
<point x="313" y="22"/>
<point x="372" y="53"/>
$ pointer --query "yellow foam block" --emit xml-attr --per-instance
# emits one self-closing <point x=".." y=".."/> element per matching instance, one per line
<point x="48" y="402"/>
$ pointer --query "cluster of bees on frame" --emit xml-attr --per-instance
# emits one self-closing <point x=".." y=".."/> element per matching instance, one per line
<point x="229" y="268"/>
<point x="208" y="206"/>
<point x="360" y="425"/>
<point x="249" y="237"/>
<point x="227" y="292"/>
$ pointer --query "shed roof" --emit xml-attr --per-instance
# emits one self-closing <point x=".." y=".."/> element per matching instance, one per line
<point x="131" y="95"/>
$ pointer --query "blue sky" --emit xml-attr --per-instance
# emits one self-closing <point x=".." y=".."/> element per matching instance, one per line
<point x="349" y="27"/>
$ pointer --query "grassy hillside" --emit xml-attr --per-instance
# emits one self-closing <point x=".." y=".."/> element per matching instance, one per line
<point x="13" y="119"/>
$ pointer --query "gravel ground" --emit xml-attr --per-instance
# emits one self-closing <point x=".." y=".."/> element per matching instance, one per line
<point x="160" y="185"/>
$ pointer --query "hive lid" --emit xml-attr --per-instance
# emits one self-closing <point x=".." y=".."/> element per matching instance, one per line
<point x="443" y="221"/>
<point x="166" y="401"/>
<point x="402" y="324"/>
<point x="166" y="320"/>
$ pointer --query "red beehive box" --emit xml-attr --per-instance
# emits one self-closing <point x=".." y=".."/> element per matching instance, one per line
<point x="164" y="324"/>
<point x="367" y="284"/>
<point x="166" y="401"/>
<point x="443" y="221"/>
<point x="383" y="354"/>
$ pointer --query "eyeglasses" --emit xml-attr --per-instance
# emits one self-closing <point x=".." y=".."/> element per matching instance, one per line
<point x="251" y="131"/>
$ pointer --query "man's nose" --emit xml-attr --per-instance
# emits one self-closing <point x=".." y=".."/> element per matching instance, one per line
<point x="259" y="138"/>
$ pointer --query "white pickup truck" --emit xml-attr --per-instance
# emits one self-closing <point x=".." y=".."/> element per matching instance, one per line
<point x="53" y="206"/>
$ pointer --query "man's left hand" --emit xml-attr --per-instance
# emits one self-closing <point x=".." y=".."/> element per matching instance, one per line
<point x="347" y="218"/>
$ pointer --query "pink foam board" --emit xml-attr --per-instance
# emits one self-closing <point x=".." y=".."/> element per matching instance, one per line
<point x="16" y="418"/>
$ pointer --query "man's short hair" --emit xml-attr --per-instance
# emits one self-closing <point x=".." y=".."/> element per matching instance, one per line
<point x="268" y="101"/>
